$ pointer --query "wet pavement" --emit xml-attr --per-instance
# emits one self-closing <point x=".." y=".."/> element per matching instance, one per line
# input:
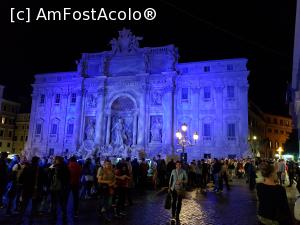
<point x="234" y="207"/>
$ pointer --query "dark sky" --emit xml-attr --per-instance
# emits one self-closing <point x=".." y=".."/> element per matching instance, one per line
<point x="261" y="31"/>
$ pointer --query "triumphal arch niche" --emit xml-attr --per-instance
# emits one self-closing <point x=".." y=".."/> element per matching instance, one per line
<point x="131" y="98"/>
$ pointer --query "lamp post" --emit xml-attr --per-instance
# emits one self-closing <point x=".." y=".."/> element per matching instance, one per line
<point x="253" y="144"/>
<point x="184" y="141"/>
<point x="280" y="150"/>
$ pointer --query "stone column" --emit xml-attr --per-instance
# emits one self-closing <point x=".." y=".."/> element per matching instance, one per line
<point x="81" y="120"/>
<point x="141" y="130"/>
<point x="77" y="121"/>
<point x="168" y="118"/>
<point x="134" y="129"/>
<point x="243" y="126"/>
<point x="99" y="134"/>
<point x="107" y="142"/>
<point x="141" y="124"/>
<point x="219" y="116"/>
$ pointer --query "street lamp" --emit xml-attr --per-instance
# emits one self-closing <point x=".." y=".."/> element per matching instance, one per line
<point x="253" y="144"/>
<point x="280" y="150"/>
<point x="184" y="141"/>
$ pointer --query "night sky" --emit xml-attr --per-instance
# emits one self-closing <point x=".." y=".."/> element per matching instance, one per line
<point x="261" y="31"/>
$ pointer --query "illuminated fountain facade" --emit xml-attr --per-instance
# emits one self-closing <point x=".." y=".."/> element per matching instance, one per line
<point x="133" y="99"/>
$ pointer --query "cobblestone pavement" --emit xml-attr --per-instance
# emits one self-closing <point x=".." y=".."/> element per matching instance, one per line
<point x="234" y="207"/>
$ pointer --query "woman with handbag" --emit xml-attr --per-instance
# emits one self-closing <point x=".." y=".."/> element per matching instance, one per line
<point x="178" y="180"/>
<point x="107" y="181"/>
<point x="273" y="208"/>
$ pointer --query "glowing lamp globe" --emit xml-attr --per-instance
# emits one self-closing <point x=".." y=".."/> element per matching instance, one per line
<point x="184" y="127"/>
<point x="195" y="136"/>
<point x="178" y="135"/>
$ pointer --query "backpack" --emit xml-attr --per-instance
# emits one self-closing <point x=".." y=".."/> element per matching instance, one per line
<point x="56" y="184"/>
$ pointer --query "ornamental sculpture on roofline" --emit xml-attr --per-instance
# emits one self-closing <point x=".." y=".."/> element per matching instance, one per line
<point x="127" y="43"/>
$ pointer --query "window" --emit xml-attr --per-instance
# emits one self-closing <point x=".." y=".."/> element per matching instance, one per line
<point x="9" y="133"/>
<point x="276" y="144"/>
<point x="229" y="67"/>
<point x="3" y="120"/>
<point x="15" y="138"/>
<point x="268" y="119"/>
<point x="206" y="131"/>
<point x="70" y="129"/>
<point x="269" y="130"/>
<point x="231" y="131"/>
<point x="206" y="68"/>
<point x="54" y="129"/>
<point x="0" y="144"/>
<point x="42" y="99"/>
<point x="22" y="138"/>
<point x="287" y="123"/>
<point x="38" y="129"/>
<point x="276" y="131"/>
<point x="230" y="91"/>
<point x="73" y="98"/>
<point x="1" y="133"/>
<point x="8" y="144"/>
<point x="184" y="94"/>
<point x="16" y="127"/>
<point x="281" y="132"/>
<point x="26" y="137"/>
<point x="57" y="98"/>
<point x="206" y="93"/>
<point x="281" y="122"/>
<point x="275" y="120"/>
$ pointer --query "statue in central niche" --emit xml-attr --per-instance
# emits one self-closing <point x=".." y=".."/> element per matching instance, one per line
<point x="119" y="133"/>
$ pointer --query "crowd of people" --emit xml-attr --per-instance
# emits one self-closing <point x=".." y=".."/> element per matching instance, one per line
<point x="51" y="183"/>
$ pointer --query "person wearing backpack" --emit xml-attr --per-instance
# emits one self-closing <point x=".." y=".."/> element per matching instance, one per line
<point x="31" y="180"/>
<point x="14" y="191"/>
<point x="59" y="187"/>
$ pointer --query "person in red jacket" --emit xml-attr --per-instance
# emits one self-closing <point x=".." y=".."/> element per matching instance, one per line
<point x="75" y="174"/>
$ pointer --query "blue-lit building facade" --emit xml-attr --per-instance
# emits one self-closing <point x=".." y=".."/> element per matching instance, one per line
<point x="130" y="98"/>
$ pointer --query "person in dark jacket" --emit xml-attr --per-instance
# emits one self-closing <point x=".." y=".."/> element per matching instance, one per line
<point x="251" y="174"/>
<point x="31" y="180"/>
<point x="75" y="173"/>
<point x="291" y="171"/>
<point x="59" y="187"/>
<point x="273" y="207"/>
<point x="3" y="176"/>
<point x="216" y="169"/>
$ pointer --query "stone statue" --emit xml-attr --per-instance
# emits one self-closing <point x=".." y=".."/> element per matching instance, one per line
<point x="134" y="44"/>
<point x="147" y="62"/>
<point x="90" y="131"/>
<point x="115" y="48"/>
<point x="118" y="133"/>
<point x="126" y="43"/>
<point x="156" y="98"/>
<point x="173" y="56"/>
<point x="92" y="101"/>
<point x="156" y="131"/>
